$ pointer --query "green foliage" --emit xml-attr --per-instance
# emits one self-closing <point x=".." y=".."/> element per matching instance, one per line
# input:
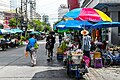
<point x="29" y="27"/>
<point x="27" y="36"/>
<point x="48" y="29"/>
<point x="22" y="38"/>
<point x="13" y="22"/>
<point x="63" y="46"/>
<point x="38" y="24"/>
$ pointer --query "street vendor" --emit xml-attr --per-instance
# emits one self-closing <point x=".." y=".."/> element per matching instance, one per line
<point x="86" y="44"/>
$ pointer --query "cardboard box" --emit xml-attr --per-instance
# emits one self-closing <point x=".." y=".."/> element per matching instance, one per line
<point x="97" y="55"/>
<point x="59" y="51"/>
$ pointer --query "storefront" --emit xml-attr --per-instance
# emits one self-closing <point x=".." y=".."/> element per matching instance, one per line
<point x="112" y="9"/>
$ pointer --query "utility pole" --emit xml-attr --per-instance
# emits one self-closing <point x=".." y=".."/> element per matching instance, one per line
<point x="16" y="16"/>
<point x="24" y="17"/>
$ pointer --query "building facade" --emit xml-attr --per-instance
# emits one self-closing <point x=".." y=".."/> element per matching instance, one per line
<point x="45" y="18"/>
<point x="4" y="6"/>
<point x="2" y="17"/>
<point x="62" y="10"/>
<point x="37" y="16"/>
<point x="112" y="9"/>
<point x="72" y="4"/>
<point x="13" y="4"/>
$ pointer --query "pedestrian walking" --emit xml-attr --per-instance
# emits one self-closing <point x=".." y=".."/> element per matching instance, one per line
<point x="32" y="48"/>
<point x="50" y="41"/>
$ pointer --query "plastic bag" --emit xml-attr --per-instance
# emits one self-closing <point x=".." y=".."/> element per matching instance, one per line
<point x="36" y="46"/>
<point x="26" y="54"/>
<point x="47" y="45"/>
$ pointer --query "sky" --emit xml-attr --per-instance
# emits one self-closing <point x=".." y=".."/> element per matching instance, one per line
<point x="49" y="7"/>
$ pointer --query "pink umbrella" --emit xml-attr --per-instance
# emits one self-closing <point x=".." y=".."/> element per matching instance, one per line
<point x="88" y="14"/>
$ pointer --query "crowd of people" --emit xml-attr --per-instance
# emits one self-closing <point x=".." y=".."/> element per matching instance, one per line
<point x="84" y="43"/>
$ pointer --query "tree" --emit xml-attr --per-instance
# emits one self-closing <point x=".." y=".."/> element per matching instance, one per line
<point x="38" y="26"/>
<point x="47" y="28"/>
<point x="13" y="22"/>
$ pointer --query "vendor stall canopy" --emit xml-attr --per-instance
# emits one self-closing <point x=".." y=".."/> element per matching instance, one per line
<point x="35" y="32"/>
<point x="106" y="24"/>
<point x="72" y="24"/>
<point x="88" y="14"/>
<point x="10" y="31"/>
<point x="17" y="30"/>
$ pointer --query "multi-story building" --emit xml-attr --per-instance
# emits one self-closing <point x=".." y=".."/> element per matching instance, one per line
<point x="112" y="9"/>
<point x="45" y="18"/>
<point x="62" y="10"/>
<point x="4" y="6"/>
<point x="37" y="16"/>
<point x="15" y="4"/>
<point x="72" y="4"/>
<point x="1" y="17"/>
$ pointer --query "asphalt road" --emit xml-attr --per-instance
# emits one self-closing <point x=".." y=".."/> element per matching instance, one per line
<point x="15" y="66"/>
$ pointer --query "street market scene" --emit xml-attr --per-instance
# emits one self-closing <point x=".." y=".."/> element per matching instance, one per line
<point x="60" y="40"/>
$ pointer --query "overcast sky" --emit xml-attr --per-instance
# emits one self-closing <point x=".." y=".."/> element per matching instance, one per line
<point x="49" y="7"/>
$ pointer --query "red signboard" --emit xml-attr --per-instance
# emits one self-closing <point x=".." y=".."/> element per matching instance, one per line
<point x="72" y="4"/>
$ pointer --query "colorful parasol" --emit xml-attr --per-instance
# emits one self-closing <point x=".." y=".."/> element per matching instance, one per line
<point x="88" y="14"/>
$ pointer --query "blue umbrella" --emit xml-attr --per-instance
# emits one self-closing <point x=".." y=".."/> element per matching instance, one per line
<point x="17" y="30"/>
<point x="34" y="32"/>
<point x="73" y="13"/>
<point x="59" y="25"/>
<point x="10" y="31"/>
<point x="73" y="24"/>
<point x="106" y="24"/>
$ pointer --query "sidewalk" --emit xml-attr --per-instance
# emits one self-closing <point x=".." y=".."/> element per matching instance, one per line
<point x="110" y="73"/>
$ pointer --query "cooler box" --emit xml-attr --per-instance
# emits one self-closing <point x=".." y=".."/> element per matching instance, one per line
<point x="98" y="63"/>
<point x="97" y="55"/>
<point x="59" y="56"/>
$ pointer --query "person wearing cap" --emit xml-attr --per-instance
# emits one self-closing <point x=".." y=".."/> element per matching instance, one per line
<point x="86" y="46"/>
